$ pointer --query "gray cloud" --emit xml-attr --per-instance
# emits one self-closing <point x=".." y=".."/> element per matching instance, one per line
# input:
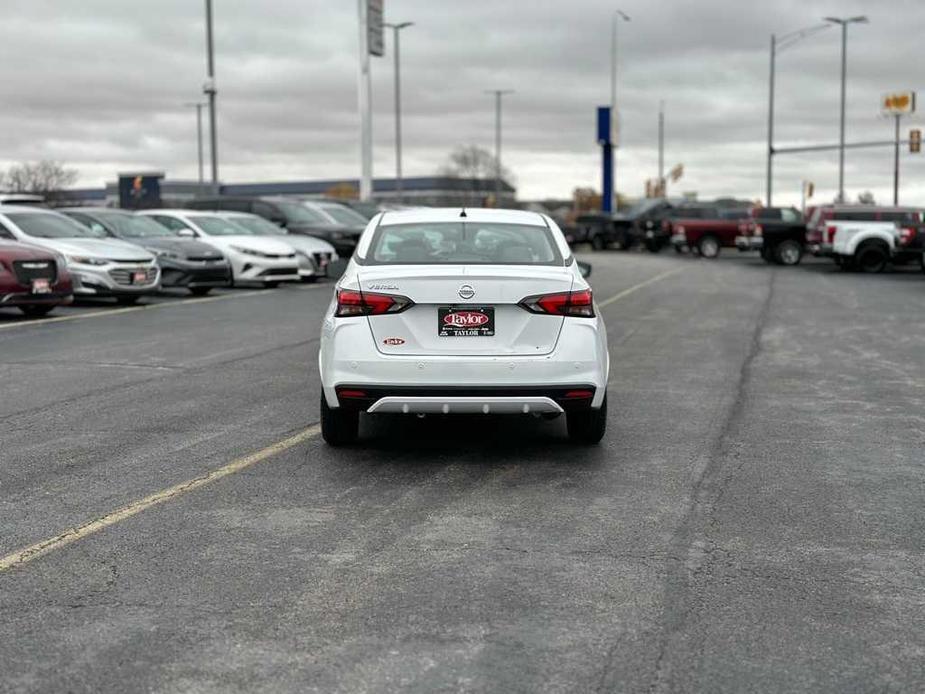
<point x="100" y="85"/>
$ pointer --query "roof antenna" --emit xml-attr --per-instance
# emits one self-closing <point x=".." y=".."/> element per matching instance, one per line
<point x="463" y="213"/>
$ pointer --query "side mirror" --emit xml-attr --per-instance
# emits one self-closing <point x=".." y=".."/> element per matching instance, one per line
<point x="186" y="233"/>
<point x="584" y="268"/>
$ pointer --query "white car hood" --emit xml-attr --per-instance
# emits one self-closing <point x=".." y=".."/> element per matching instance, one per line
<point x="251" y="243"/>
<point x="306" y="244"/>
<point x="110" y="249"/>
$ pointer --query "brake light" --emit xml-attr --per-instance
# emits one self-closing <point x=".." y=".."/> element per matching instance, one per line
<point x="355" y="303"/>
<point x="830" y="232"/>
<point x="906" y="234"/>
<point x="680" y="229"/>
<point x="579" y="395"/>
<point x="579" y="304"/>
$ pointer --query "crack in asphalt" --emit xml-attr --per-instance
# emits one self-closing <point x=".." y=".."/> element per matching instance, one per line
<point x="689" y="553"/>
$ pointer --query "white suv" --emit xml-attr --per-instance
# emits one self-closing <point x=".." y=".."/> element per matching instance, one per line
<point x="450" y="311"/>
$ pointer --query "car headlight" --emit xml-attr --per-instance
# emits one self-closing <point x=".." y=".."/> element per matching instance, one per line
<point x="248" y="251"/>
<point x="85" y="260"/>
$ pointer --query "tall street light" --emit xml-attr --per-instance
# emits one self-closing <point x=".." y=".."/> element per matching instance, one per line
<point x="198" y="106"/>
<point x="843" y="22"/>
<point x="210" y="91"/>
<point x="778" y="44"/>
<point x="618" y="15"/>
<point x="395" y="29"/>
<point x="498" y="94"/>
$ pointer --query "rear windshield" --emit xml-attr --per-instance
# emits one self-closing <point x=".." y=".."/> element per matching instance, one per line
<point x="344" y="215"/>
<point x="469" y="243"/>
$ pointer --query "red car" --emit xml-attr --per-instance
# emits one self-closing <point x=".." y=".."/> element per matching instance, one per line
<point x="31" y="279"/>
<point x="705" y="230"/>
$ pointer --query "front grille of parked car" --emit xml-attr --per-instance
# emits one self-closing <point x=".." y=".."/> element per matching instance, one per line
<point x="28" y="270"/>
<point x="124" y="276"/>
<point x="279" y="272"/>
<point x="207" y="259"/>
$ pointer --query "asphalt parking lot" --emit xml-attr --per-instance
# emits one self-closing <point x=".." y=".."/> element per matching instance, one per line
<point x="753" y="520"/>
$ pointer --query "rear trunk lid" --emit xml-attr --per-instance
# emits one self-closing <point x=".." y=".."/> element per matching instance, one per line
<point x="447" y="298"/>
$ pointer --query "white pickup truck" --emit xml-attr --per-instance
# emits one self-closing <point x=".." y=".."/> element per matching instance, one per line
<point x="864" y="246"/>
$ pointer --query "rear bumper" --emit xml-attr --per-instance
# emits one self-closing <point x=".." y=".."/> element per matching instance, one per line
<point x="679" y="239"/>
<point x="821" y="249"/>
<point x="466" y="400"/>
<point x="348" y="357"/>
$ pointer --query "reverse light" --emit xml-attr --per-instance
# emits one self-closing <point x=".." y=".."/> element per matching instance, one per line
<point x="759" y="230"/>
<point x="355" y="303"/>
<point x="578" y="304"/>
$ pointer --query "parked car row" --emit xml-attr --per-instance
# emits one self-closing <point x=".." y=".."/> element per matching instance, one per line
<point x="49" y="256"/>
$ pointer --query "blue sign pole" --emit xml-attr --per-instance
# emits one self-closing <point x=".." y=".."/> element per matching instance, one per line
<point x="603" y="139"/>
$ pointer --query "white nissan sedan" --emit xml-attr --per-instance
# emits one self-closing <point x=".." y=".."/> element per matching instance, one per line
<point x="451" y="311"/>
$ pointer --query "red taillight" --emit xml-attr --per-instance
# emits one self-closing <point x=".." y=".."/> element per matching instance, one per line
<point x="666" y="225"/>
<point x="830" y="232"/>
<point x="354" y="303"/>
<point x="346" y="393"/>
<point x="579" y="395"/>
<point x="579" y="304"/>
<point x="906" y="234"/>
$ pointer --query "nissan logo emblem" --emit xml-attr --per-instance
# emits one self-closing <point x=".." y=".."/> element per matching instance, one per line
<point x="466" y="291"/>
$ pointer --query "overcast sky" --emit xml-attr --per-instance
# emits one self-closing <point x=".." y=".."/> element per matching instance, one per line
<point x="100" y="85"/>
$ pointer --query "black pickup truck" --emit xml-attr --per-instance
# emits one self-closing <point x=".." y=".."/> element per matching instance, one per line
<point x="779" y="233"/>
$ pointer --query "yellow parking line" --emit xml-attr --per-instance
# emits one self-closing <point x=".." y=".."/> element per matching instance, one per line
<point x="133" y="309"/>
<point x="636" y="287"/>
<point x="27" y="554"/>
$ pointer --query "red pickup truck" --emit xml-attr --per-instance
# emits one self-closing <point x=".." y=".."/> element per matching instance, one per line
<point x="708" y="231"/>
<point x="31" y="280"/>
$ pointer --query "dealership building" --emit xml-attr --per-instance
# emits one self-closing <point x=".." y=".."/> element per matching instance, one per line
<point x="434" y="191"/>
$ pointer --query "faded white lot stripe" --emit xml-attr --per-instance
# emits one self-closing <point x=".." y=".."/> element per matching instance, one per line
<point x="32" y="552"/>
<point x="636" y="287"/>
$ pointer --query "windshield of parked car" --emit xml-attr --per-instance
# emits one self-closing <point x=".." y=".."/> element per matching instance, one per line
<point x="472" y="243"/>
<point x="130" y="226"/>
<point x="44" y="225"/>
<point x="344" y="215"/>
<point x="258" y="226"/>
<point x="299" y="213"/>
<point x="216" y="226"/>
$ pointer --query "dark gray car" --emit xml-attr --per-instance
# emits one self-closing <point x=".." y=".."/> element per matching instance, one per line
<point x="184" y="262"/>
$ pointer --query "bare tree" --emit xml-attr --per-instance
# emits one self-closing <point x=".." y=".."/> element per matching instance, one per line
<point x="477" y="167"/>
<point x="46" y="178"/>
<point x="866" y="198"/>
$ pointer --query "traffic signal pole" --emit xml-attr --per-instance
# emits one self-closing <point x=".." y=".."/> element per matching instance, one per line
<point x="896" y="164"/>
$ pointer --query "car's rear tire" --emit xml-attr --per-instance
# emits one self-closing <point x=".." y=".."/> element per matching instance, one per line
<point x="587" y="426"/>
<point x="36" y="311"/>
<point x="872" y="257"/>
<point x="200" y="291"/>
<point x="709" y="247"/>
<point x="788" y="252"/>
<point x="339" y="427"/>
<point x="598" y="243"/>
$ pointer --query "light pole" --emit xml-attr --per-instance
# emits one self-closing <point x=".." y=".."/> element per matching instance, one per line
<point x="198" y="106"/>
<point x="843" y="22"/>
<point x="779" y="43"/>
<point x="210" y="91"/>
<point x="395" y="29"/>
<point x="614" y="121"/>
<point x="498" y="94"/>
